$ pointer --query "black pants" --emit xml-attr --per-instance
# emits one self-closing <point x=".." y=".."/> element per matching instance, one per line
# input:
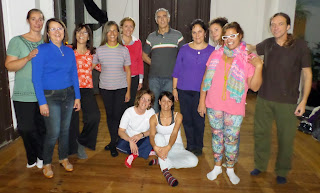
<point x="115" y="106"/>
<point x="91" y="120"/>
<point x="133" y="90"/>
<point x="31" y="128"/>
<point x="193" y="123"/>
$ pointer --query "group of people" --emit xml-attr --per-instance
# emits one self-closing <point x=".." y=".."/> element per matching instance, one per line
<point x="54" y="81"/>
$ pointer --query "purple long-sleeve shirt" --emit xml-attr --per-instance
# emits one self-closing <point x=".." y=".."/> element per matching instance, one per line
<point x="190" y="67"/>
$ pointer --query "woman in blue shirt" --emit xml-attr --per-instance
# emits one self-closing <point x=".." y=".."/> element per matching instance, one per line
<point x="55" y="79"/>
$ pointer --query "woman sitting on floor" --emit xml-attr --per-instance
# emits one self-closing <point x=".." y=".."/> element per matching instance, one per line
<point x="165" y="138"/>
<point x="134" y="128"/>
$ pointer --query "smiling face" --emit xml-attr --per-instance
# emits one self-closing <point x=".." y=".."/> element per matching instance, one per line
<point x="112" y="35"/>
<point x="162" y="19"/>
<point x="35" y="21"/>
<point x="165" y="103"/>
<point x="230" y="42"/>
<point x="215" y="31"/>
<point x="127" y="28"/>
<point x="198" y="34"/>
<point x="56" y="32"/>
<point x="144" y="102"/>
<point x="279" y="27"/>
<point x="82" y="36"/>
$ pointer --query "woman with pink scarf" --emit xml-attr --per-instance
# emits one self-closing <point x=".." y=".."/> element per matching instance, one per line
<point x="230" y="72"/>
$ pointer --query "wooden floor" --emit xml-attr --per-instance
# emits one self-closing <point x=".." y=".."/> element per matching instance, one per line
<point x="103" y="173"/>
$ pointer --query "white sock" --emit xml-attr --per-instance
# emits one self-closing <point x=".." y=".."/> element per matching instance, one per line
<point x="214" y="173"/>
<point x="232" y="176"/>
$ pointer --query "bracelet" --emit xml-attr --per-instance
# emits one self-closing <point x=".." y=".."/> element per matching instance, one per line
<point x="142" y="134"/>
<point x="174" y="88"/>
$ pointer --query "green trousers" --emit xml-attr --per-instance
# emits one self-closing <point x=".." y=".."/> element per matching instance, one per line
<point x="283" y="113"/>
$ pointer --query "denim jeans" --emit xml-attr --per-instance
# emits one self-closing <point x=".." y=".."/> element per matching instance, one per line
<point x="158" y="85"/>
<point x="143" y="145"/>
<point x="60" y="104"/>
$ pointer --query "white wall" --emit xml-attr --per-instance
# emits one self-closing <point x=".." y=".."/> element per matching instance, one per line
<point x="252" y="15"/>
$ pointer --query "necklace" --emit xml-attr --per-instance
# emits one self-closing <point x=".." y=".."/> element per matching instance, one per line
<point x="165" y="117"/>
<point x="226" y="73"/>
<point x="61" y="52"/>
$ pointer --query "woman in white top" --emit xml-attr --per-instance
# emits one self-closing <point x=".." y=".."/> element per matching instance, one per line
<point x="165" y="138"/>
<point x="134" y="128"/>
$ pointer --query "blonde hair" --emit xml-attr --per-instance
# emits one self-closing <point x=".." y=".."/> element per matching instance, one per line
<point x="127" y="19"/>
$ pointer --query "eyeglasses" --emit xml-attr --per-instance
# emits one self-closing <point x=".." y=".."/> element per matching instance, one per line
<point x="56" y="29"/>
<point x="145" y="100"/>
<point x="82" y="33"/>
<point x="232" y="36"/>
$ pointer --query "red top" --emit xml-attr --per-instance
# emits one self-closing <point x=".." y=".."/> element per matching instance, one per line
<point x="135" y="51"/>
<point x="84" y="64"/>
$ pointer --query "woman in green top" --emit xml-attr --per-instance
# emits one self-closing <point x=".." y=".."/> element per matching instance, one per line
<point x="20" y="51"/>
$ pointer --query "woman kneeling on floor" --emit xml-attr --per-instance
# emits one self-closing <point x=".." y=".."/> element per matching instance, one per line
<point x="165" y="138"/>
<point x="134" y="128"/>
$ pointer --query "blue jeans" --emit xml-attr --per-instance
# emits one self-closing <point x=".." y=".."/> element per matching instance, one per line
<point x="60" y="104"/>
<point x="193" y="123"/>
<point x="143" y="145"/>
<point x="158" y="85"/>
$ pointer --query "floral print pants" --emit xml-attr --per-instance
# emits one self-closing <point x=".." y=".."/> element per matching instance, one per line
<point x="225" y="130"/>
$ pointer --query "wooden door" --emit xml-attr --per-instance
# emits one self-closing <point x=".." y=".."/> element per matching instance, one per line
<point x="182" y="12"/>
<point x="6" y="126"/>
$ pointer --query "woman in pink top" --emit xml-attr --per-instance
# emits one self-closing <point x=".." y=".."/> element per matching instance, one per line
<point x="134" y="46"/>
<point x="230" y="73"/>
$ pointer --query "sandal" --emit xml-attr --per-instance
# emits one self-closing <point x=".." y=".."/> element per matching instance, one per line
<point x="66" y="164"/>
<point x="47" y="171"/>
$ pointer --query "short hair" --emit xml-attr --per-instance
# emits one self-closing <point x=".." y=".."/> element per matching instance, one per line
<point x="46" y="38"/>
<point x="233" y="25"/>
<point x="170" y="97"/>
<point x="127" y="19"/>
<point x="106" y="29"/>
<point x="161" y="9"/>
<point x="140" y="93"/>
<point x="89" y="43"/>
<point x="199" y="22"/>
<point x="34" y="10"/>
<point x="219" y="20"/>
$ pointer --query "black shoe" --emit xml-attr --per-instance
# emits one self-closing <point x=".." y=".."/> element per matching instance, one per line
<point x="107" y="147"/>
<point x="114" y="152"/>
<point x="197" y="152"/>
<point x="281" y="180"/>
<point x="255" y="172"/>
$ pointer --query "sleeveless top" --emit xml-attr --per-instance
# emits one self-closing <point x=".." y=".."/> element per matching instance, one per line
<point x="167" y="130"/>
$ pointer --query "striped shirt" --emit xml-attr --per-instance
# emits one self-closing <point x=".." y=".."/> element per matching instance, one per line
<point x="164" y="49"/>
<point x="112" y="60"/>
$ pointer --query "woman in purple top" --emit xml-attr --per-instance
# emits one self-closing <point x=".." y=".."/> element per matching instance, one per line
<point x="187" y="76"/>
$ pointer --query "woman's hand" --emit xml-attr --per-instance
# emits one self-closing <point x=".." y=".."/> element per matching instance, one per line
<point x="44" y="110"/>
<point x="175" y="94"/>
<point x="256" y="61"/>
<point x="140" y="86"/>
<point x="202" y="109"/>
<point x="77" y="105"/>
<point x="127" y="97"/>
<point x="32" y="54"/>
<point x="163" y="152"/>
<point x="134" y="148"/>
<point x="136" y="138"/>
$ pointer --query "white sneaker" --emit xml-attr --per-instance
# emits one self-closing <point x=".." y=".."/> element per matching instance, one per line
<point x="39" y="163"/>
<point x="32" y="165"/>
